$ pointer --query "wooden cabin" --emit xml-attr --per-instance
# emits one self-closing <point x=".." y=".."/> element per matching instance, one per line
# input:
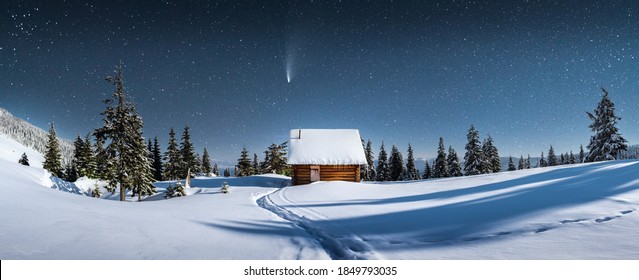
<point x="325" y="155"/>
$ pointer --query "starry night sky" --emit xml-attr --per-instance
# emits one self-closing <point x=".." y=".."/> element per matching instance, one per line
<point x="524" y="72"/>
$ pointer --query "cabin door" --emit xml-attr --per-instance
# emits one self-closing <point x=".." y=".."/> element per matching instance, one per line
<point x="315" y="173"/>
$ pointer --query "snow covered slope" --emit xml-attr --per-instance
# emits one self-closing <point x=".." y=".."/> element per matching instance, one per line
<point x="31" y="136"/>
<point x="11" y="150"/>
<point x="585" y="211"/>
<point x="37" y="222"/>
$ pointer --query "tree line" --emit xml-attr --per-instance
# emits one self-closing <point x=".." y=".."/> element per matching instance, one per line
<point x="121" y="156"/>
<point x="482" y="157"/>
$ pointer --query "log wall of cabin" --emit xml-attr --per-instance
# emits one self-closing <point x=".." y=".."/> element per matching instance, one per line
<point x="302" y="173"/>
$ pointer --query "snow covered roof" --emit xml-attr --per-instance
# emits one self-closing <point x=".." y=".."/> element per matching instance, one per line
<point x="326" y="147"/>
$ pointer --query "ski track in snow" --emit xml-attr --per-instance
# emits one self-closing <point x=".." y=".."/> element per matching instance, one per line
<point x="352" y="248"/>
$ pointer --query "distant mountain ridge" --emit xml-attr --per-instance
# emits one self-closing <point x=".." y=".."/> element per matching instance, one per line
<point x="31" y="136"/>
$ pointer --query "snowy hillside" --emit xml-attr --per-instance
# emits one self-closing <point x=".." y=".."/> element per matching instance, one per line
<point x="11" y="150"/>
<point x="586" y="211"/>
<point x="30" y="135"/>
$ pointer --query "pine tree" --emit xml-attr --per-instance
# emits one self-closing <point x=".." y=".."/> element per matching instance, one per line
<point x="215" y="170"/>
<point x="396" y="165"/>
<point x="126" y="147"/>
<point x="206" y="162"/>
<point x="383" y="171"/>
<point x="90" y="164"/>
<point x="440" y="169"/>
<point x="175" y="191"/>
<point x="256" y="165"/>
<point x="562" y="159"/>
<point x="582" y="154"/>
<point x="275" y="160"/>
<point x="24" y="160"/>
<point x="103" y="166"/>
<point x="52" y="157"/>
<point x="227" y="172"/>
<point x="140" y="166"/>
<point x="70" y="172"/>
<point x="491" y="156"/>
<point x="187" y="152"/>
<point x="528" y="165"/>
<point x="474" y="154"/>
<point x="511" y="164"/>
<point x="172" y="159"/>
<point x="552" y="158"/>
<point x="158" y="166"/>
<point x="428" y="173"/>
<point x="571" y="158"/>
<point x="542" y="161"/>
<point x="411" y="170"/>
<point x="370" y="160"/>
<point x="522" y="163"/>
<point x="83" y="160"/>
<point x="454" y="167"/>
<point x="606" y="143"/>
<point x="243" y="164"/>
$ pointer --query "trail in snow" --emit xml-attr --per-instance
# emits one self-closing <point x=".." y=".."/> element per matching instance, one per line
<point x="344" y="249"/>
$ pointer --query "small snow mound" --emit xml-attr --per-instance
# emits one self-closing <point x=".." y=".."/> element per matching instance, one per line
<point x="62" y="185"/>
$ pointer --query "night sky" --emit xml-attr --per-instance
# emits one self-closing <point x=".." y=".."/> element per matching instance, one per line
<point x="524" y="72"/>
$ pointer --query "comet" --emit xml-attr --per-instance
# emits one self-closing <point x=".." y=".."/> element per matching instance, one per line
<point x="289" y="63"/>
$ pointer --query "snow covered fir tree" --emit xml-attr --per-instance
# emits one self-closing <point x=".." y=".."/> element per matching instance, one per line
<point x="606" y="143"/>
<point x="52" y="157"/>
<point x="126" y="147"/>
<point x="24" y="160"/>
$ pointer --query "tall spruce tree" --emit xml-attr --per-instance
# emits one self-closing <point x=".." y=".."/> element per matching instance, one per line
<point x="396" y="165"/>
<point x="256" y="165"/>
<point x="411" y="170"/>
<point x="383" y="171"/>
<point x="428" y="173"/>
<point x="522" y="163"/>
<point x="440" y="170"/>
<point x="83" y="159"/>
<point x="70" y="172"/>
<point x="158" y="166"/>
<point x="275" y="159"/>
<point x="90" y="164"/>
<point x="474" y="155"/>
<point x="206" y="162"/>
<point x="511" y="164"/>
<point x="52" y="157"/>
<point x="528" y="165"/>
<point x="552" y="158"/>
<point x="542" y="161"/>
<point x="606" y="143"/>
<point x="126" y="146"/>
<point x="187" y="152"/>
<point x="215" y="170"/>
<point x="172" y="159"/>
<point x="491" y="156"/>
<point x="24" y="160"/>
<point x="454" y="167"/>
<point x="571" y="158"/>
<point x="243" y="164"/>
<point x="140" y="176"/>
<point x="582" y="154"/>
<point x="370" y="161"/>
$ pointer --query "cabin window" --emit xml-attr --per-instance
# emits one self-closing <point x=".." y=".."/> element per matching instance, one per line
<point x="315" y="173"/>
